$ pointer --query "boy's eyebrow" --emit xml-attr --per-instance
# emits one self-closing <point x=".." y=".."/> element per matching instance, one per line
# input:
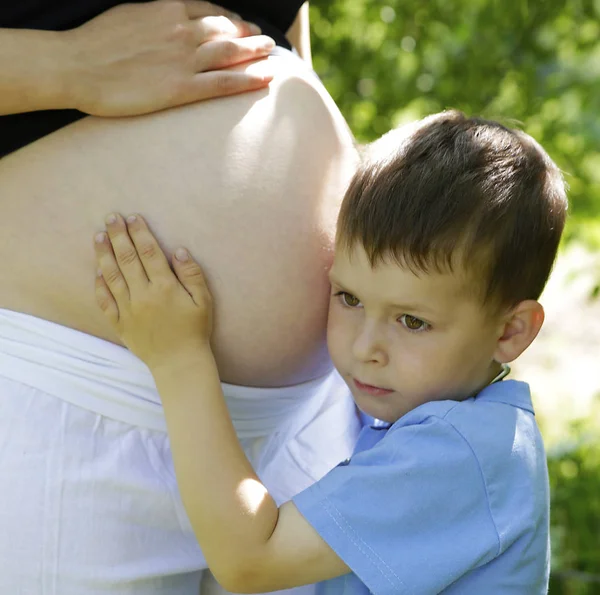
<point x="335" y="281"/>
<point x="412" y="308"/>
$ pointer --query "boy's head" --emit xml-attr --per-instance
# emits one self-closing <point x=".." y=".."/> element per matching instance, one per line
<point x="446" y="238"/>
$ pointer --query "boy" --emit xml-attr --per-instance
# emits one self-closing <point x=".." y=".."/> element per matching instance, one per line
<point x="446" y="237"/>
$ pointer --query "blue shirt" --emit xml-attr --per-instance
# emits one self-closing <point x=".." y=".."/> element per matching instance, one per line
<point x="453" y="498"/>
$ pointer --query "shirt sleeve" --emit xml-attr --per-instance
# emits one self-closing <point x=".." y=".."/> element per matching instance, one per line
<point x="410" y="515"/>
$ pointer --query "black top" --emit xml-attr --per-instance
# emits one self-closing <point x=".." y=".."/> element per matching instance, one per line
<point x="17" y="130"/>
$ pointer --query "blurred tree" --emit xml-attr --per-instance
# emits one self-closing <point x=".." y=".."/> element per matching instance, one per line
<point x="574" y="469"/>
<point x="527" y="63"/>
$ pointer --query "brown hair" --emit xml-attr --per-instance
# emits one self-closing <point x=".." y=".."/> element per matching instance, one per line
<point x="451" y="187"/>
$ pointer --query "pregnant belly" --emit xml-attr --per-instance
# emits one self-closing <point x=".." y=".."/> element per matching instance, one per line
<point x="233" y="180"/>
<point x="270" y="288"/>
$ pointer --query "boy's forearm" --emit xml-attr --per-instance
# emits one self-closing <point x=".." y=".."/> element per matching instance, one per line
<point x="231" y="512"/>
<point x="34" y="70"/>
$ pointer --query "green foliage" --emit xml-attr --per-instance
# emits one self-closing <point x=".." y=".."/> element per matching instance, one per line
<point x="574" y="470"/>
<point x="528" y="63"/>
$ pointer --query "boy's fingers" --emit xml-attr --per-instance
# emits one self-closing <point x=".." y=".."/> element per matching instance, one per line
<point x="125" y="252"/>
<point x="152" y="257"/>
<point x="105" y="299"/>
<point x="190" y="275"/>
<point x="111" y="273"/>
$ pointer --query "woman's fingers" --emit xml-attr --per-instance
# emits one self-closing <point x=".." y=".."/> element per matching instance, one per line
<point x="215" y="55"/>
<point x="224" y="82"/>
<point x="219" y="27"/>
<point x="197" y="9"/>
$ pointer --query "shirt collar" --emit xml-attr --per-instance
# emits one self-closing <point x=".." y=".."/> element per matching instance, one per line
<point x="509" y="392"/>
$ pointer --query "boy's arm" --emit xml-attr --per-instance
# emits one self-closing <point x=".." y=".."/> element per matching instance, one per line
<point x="250" y="545"/>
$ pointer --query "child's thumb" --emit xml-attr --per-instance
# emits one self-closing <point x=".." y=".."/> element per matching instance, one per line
<point x="190" y="275"/>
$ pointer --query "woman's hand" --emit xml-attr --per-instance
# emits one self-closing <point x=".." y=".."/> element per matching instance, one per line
<point x="158" y="314"/>
<point x="140" y="58"/>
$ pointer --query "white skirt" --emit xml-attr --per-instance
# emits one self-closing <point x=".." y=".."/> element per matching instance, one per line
<point x="88" y="499"/>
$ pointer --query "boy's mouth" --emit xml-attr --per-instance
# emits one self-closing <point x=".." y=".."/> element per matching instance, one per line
<point x="369" y="389"/>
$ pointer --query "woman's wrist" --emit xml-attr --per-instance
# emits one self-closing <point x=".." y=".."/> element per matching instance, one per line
<point x="56" y="78"/>
<point x="35" y="70"/>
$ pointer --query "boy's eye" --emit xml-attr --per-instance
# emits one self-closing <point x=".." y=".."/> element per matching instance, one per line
<point x="412" y="323"/>
<point x="348" y="299"/>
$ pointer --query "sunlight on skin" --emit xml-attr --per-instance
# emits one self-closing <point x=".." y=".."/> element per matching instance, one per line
<point x="252" y="493"/>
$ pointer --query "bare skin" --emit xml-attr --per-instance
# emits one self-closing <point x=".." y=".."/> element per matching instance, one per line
<point x="251" y="184"/>
<point x="133" y="59"/>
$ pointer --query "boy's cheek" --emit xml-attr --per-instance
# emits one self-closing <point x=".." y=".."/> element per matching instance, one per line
<point x="338" y="342"/>
<point x="333" y="323"/>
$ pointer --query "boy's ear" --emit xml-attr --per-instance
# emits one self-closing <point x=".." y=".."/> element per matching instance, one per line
<point x="521" y="326"/>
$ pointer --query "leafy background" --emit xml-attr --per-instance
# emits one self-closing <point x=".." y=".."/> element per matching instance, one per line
<point x="533" y="64"/>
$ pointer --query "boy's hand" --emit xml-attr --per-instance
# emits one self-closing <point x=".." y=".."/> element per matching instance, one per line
<point x="158" y="314"/>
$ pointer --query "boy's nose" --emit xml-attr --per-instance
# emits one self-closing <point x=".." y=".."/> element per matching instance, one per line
<point x="369" y="344"/>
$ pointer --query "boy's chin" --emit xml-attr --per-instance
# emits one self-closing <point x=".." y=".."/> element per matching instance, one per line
<point x="379" y="413"/>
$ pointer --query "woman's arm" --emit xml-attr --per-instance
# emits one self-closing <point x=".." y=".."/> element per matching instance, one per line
<point x="33" y="71"/>
<point x="299" y="34"/>
<point x="250" y="545"/>
<point x="133" y="59"/>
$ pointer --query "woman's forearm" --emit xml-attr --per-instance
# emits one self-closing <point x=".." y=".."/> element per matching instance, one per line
<point x="299" y="34"/>
<point x="33" y="71"/>
<point x="132" y="59"/>
<point x="231" y="512"/>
